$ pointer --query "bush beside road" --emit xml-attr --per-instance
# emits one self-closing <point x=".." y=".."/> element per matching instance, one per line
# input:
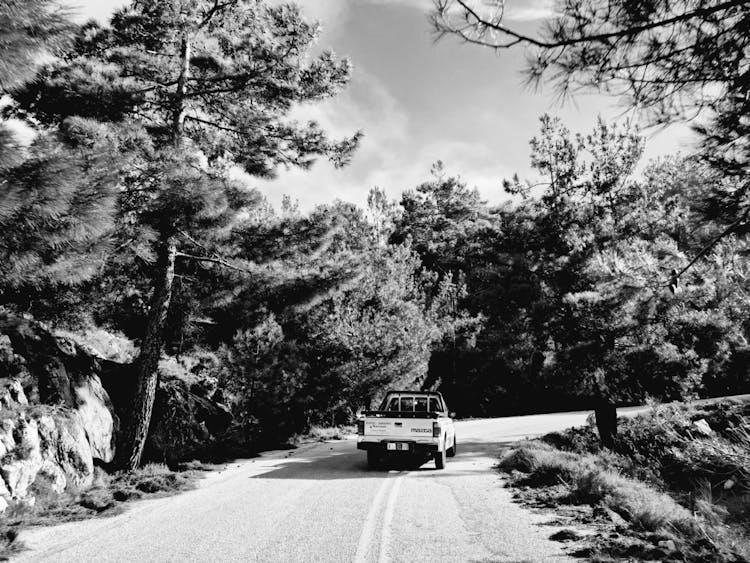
<point x="675" y="488"/>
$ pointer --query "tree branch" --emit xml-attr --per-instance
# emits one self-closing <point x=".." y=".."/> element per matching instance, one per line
<point x="703" y="251"/>
<point x="215" y="125"/>
<point x="630" y="31"/>
<point x="220" y="261"/>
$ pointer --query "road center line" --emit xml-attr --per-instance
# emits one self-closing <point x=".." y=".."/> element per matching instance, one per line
<point x="368" y="530"/>
<point x="385" y="537"/>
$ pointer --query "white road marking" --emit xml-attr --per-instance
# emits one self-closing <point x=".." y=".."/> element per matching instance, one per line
<point x="368" y="530"/>
<point x="385" y="537"/>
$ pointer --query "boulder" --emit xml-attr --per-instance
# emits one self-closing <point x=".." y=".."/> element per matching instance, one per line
<point x="11" y="394"/>
<point x="4" y="492"/>
<point x="64" y="443"/>
<point x="48" y="445"/>
<point x="96" y="413"/>
<point x="20" y="465"/>
<point x="702" y="428"/>
<point x="53" y="476"/>
<point x="667" y="545"/>
<point x="7" y="441"/>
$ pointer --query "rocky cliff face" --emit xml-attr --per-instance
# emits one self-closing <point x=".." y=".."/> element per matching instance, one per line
<point x="59" y="406"/>
<point x="56" y="419"/>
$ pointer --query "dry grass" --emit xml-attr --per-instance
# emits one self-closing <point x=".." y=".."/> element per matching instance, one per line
<point x="154" y="479"/>
<point x="645" y="508"/>
<point x="645" y="518"/>
<point x="589" y="483"/>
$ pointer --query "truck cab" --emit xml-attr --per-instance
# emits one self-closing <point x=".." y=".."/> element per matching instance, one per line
<point x="413" y="425"/>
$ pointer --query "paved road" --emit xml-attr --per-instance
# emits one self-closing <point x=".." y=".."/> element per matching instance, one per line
<point x="321" y="503"/>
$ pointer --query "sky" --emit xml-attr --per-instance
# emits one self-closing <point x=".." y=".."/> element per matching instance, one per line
<point x="419" y="100"/>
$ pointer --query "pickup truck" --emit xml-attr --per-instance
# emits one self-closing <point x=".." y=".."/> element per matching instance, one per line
<point x="414" y="425"/>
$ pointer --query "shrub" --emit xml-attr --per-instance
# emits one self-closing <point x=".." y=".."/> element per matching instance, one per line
<point x="151" y="479"/>
<point x="325" y="433"/>
<point x="666" y="448"/>
<point x="646" y="508"/>
<point x="670" y="476"/>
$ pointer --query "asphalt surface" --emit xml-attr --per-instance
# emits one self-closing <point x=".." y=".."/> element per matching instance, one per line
<point x="320" y="502"/>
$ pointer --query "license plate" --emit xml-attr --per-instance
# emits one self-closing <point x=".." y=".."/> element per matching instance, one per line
<point x="398" y="446"/>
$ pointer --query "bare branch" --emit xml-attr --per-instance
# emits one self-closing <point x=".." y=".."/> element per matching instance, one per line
<point x="220" y="261"/>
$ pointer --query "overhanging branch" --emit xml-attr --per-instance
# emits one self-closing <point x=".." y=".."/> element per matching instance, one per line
<point x="703" y="251"/>
<point x="445" y="26"/>
<point x="214" y="260"/>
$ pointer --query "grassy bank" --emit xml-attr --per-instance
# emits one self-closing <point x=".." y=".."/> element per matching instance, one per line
<point x="107" y="497"/>
<point x="676" y="487"/>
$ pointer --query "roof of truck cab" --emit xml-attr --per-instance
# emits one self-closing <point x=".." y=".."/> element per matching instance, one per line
<point x="407" y="392"/>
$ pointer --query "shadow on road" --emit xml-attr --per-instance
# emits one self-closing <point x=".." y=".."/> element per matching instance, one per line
<point x="344" y="461"/>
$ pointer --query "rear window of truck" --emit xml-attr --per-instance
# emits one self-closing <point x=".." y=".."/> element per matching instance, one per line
<point x="409" y="404"/>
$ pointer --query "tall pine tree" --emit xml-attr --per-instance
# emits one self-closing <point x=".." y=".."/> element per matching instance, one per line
<point x="202" y="87"/>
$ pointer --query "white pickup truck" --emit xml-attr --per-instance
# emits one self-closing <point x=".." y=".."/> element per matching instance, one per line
<point x="409" y="424"/>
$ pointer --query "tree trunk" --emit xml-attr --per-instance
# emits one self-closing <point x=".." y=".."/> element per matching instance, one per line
<point x="178" y="113"/>
<point x="134" y="439"/>
<point x="606" y="422"/>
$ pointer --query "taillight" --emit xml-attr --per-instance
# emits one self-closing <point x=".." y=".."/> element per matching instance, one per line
<point x="361" y="427"/>
<point x="435" y="430"/>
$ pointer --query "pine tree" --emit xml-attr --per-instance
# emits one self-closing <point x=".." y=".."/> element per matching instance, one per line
<point x="28" y="30"/>
<point x="56" y="209"/>
<point x="207" y="86"/>
<point x="57" y="195"/>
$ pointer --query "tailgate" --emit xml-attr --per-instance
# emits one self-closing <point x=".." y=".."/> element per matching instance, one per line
<point x="401" y="428"/>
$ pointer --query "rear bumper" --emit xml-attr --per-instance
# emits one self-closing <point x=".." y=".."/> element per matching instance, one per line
<point x="415" y="448"/>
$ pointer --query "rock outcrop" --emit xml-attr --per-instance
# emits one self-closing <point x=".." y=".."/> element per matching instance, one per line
<point x="56" y="418"/>
<point x="59" y="407"/>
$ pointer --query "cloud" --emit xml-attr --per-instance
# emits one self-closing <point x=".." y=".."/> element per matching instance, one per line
<point x="100" y="10"/>
<point x="333" y="14"/>
<point x="474" y="163"/>
<point x="388" y="160"/>
<point x="366" y="105"/>
<point x="529" y="10"/>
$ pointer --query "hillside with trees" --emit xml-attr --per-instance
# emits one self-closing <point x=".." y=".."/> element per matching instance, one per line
<point x="130" y="224"/>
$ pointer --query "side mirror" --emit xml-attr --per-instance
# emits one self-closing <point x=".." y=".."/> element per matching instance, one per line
<point x="452" y="414"/>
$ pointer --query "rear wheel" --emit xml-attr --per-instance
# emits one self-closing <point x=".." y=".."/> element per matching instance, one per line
<point x="452" y="450"/>
<point x="440" y="459"/>
<point x="373" y="459"/>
